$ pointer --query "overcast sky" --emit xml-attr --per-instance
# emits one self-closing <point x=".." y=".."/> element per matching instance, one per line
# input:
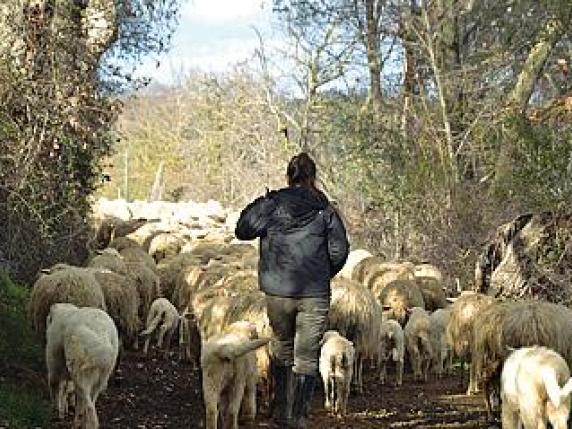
<point x="212" y="35"/>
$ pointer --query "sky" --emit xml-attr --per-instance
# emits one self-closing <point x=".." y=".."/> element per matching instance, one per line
<point x="212" y="36"/>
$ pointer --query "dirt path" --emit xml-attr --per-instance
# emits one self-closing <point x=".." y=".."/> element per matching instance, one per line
<point x="162" y="393"/>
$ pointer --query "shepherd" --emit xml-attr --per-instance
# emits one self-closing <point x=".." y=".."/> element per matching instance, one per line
<point x="303" y="245"/>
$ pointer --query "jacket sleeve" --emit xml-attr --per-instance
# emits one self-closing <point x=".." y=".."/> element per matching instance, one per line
<point x="254" y="219"/>
<point x="338" y="245"/>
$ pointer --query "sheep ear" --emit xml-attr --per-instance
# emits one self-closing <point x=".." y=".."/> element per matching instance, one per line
<point x="99" y="251"/>
<point x="451" y="300"/>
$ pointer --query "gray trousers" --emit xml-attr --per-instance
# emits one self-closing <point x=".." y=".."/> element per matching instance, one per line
<point x="298" y="325"/>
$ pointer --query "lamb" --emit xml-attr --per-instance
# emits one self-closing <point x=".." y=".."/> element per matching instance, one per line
<point x="336" y="367"/>
<point x="460" y="328"/>
<point x="163" y="316"/>
<point x="442" y="353"/>
<point x="82" y="347"/>
<point x="530" y="389"/>
<point x="229" y="374"/>
<point x="63" y="283"/>
<point x="392" y="346"/>
<point x="417" y="333"/>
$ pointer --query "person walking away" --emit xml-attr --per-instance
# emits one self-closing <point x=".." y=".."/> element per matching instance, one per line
<point x="303" y="245"/>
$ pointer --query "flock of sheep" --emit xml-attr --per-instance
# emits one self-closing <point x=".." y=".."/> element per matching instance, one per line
<point x="184" y="273"/>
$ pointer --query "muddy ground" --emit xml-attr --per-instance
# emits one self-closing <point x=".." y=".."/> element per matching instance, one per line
<point x="160" y="393"/>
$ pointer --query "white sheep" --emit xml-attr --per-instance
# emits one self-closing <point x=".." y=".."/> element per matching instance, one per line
<point x="442" y="352"/>
<point x="229" y="373"/>
<point x="392" y="346"/>
<point x="336" y="368"/>
<point x="530" y="389"/>
<point x="417" y="333"/>
<point x="163" y="316"/>
<point x="82" y="347"/>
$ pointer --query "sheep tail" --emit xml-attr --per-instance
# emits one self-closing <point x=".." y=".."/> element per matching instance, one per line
<point x="567" y="388"/>
<point x="425" y="342"/>
<point x="152" y="325"/>
<point x="234" y="350"/>
<point x="555" y="394"/>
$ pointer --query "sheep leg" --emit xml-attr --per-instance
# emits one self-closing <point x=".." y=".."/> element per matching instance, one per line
<point x="62" y="400"/>
<point x="449" y="362"/>
<point x="211" y="411"/>
<point x="382" y="371"/>
<point x="360" y="373"/>
<point x="473" y="385"/>
<point x="532" y="420"/>
<point x="82" y="405"/>
<point x="233" y="406"/>
<point x="415" y="358"/>
<point x="327" y="387"/>
<point x="146" y="345"/>
<point x="344" y="398"/>
<point x="211" y="395"/>
<point x="248" y="406"/>
<point x="162" y="332"/>
<point x="426" y="366"/>
<point x="168" y="336"/>
<point x="399" y="371"/>
<point x="509" y="417"/>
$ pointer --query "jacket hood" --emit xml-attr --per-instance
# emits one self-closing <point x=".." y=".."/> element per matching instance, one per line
<point x="297" y="206"/>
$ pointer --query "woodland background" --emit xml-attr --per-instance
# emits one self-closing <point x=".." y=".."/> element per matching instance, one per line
<point x="432" y="122"/>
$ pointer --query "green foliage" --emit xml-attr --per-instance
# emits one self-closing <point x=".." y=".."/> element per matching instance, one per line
<point x="542" y="175"/>
<point x="18" y="343"/>
<point x="22" y="401"/>
<point x="22" y="408"/>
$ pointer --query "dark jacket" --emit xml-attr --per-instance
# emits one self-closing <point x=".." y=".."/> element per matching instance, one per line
<point x="303" y="242"/>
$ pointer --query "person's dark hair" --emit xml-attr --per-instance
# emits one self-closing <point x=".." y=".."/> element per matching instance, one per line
<point x="301" y="171"/>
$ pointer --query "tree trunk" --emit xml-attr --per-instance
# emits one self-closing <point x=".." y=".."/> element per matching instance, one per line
<point x="520" y="95"/>
<point x="158" y="187"/>
<point x="373" y="60"/>
<point x="534" y="64"/>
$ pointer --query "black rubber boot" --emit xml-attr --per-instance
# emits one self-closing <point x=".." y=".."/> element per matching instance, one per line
<point x="303" y="392"/>
<point x="282" y="401"/>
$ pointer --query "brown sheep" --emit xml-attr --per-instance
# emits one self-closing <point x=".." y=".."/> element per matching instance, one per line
<point x="63" y="283"/>
<point x="398" y="297"/>
<point x="463" y="313"/>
